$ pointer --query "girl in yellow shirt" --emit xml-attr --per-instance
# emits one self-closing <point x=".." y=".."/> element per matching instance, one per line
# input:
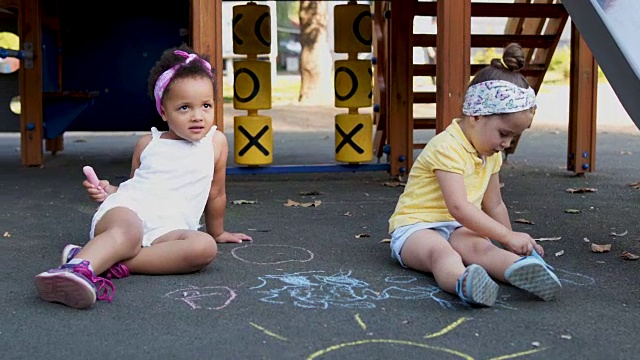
<point x="452" y="206"/>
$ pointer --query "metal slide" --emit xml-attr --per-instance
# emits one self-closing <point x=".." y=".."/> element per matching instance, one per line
<point x="611" y="29"/>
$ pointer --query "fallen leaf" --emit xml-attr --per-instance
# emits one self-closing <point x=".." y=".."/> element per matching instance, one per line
<point x="348" y="213"/>
<point x="240" y="202"/>
<point x="635" y="185"/>
<point x="572" y="211"/>
<point x="596" y="248"/>
<point x="581" y="190"/>
<point x="311" y="193"/>
<point x="585" y="239"/>
<point x="291" y="203"/>
<point x="6" y="234"/>
<point x="523" y="221"/>
<point x="549" y="238"/>
<point x="559" y="253"/>
<point x="313" y="204"/>
<point x="535" y="344"/>
<point x="385" y="240"/>
<point x="629" y="256"/>
<point x="620" y="234"/>
<point x="363" y="235"/>
<point x="567" y="337"/>
<point x="393" y="184"/>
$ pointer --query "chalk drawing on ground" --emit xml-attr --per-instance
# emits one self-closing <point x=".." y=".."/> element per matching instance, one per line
<point x="316" y="290"/>
<point x="277" y="254"/>
<point x="207" y="298"/>
<point x="568" y="277"/>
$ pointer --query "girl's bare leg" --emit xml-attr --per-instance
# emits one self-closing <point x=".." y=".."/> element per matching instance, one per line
<point x="475" y="249"/>
<point x="118" y="236"/>
<point x="176" y="252"/>
<point x="427" y="251"/>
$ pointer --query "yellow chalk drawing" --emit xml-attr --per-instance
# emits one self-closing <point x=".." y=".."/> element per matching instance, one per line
<point x="270" y="333"/>
<point x="523" y="353"/>
<point x="387" y="341"/>
<point x="446" y="329"/>
<point x="360" y="322"/>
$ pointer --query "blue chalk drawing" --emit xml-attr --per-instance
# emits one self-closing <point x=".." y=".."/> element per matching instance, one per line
<point x="568" y="277"/>
<point x="313" y="290"/>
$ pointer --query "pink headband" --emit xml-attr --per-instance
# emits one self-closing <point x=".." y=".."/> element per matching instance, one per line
<point x="165" y="78"/>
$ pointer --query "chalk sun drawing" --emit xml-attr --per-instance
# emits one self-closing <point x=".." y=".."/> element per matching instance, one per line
<point x="283" y="254"/>
<point x="343" y="350"/>
<point x="207" y="298"/>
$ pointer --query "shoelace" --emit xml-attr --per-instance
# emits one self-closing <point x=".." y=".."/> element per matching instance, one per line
<point x="104" y="288"/>
<point x="117" y="271"/>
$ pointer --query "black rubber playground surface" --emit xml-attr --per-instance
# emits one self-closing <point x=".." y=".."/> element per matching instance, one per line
<point x="317" y="282"/>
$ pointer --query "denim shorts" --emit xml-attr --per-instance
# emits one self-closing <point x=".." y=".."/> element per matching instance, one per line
<point x="401" y="234"/>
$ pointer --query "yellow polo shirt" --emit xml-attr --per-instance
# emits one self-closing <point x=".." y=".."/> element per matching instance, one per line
<point x="450" y="150"/>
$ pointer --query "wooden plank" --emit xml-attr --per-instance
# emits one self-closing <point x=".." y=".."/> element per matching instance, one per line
<point x="544" y="55"/>
<point x="55" y="145"/>
<point x="206" y="37"/>
<point x="520" y="9"/>
<point x="491" y="40"/>
<point x="453" y="57"/>
<point x="533" y="27"/>
<point x="400" y="88"/>
<point x="583" y="92"/>
<point x="424" y="123"/>
<point x="431" y="69"/>
<point x="514" y="24"/>
<point x="31" y="132"/>
<point x="424" y="97"/>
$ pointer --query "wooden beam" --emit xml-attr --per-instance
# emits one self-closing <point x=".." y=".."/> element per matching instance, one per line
<point x="453" y="59"/>
<point x="31" y="121"/>
<point x="5" y="4"/>
<point x="401" y="88"/>
<point x="583" y="92"/>
<point x="510" y="10"/>
<point x="490" y="40"/>
<point x="431" y="69"/>
<point x="206" y="35"/>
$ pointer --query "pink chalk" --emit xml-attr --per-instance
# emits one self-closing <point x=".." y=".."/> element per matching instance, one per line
<point x="91" y="176"/>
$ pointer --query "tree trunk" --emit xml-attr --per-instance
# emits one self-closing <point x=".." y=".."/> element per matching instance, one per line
<point x="315" y="58"/>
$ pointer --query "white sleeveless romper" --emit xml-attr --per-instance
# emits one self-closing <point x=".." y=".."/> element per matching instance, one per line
<point x="170" y="188"/>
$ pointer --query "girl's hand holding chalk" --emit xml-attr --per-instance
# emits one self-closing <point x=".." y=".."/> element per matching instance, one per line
<point x="97" y="192"/>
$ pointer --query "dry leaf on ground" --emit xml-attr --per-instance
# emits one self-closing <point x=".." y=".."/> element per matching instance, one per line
<point x="393" y="183"/>
<point x="385" y="240"/>
<point x="363" y="235"/>
<point x="629" y="256"/>
<point x="559" y="253"/>
<point x="635" y="185"/>
<point x="310" y="193"/>
<point x="581" y="190"/>
<point x="523" y="221"/>
<point x="549" y="238"/>
<point x="6" y="234"/>
<point x="596" y="248"/>
<point x="620" y="234"/>
<point x="348" y="213"/>
<point x="241" y="202"/>
<point x="572" y="211"/>
<point x="292" y="203"/>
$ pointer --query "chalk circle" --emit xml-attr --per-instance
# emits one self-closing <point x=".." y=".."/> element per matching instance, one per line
<point x="255" y="254"/>
<point x="393" y="342"/>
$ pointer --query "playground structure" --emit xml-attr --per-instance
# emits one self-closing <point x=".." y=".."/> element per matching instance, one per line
<point x="77" y="69"/>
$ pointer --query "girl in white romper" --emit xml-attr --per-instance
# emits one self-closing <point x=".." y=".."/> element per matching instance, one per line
<point x="149" y="224"/>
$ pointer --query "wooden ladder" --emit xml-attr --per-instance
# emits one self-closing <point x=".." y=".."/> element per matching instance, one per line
<point x="535" y="24"/>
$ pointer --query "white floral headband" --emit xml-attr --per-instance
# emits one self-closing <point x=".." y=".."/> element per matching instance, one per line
<point x="497" y="97"/>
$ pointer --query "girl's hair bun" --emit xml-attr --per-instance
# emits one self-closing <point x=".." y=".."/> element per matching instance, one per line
<point x="513" y="57"/>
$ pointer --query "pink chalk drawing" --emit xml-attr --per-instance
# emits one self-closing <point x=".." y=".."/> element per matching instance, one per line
<point x="207" y="298"/>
